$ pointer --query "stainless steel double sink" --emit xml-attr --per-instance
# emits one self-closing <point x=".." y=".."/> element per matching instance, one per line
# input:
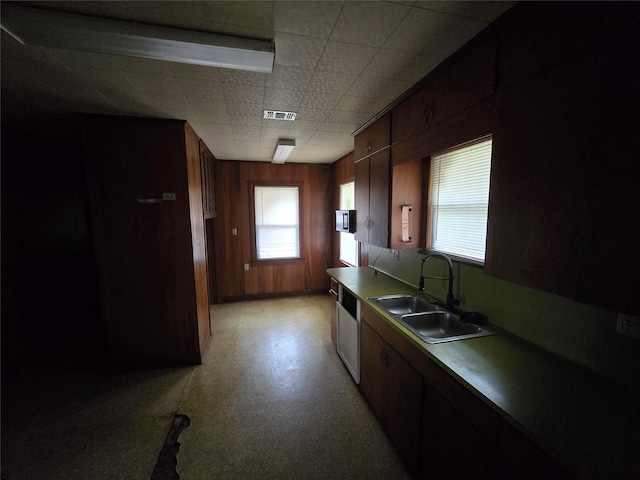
<point x="429" y="321"/>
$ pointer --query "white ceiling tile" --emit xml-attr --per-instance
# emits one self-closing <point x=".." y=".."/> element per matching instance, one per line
<point x="147" y="83"/>
<point x="297" y="51"/>
<point x="167" y="102"/>
<point x="380" y="88"/>
<point x="345" y="57"/>
<point x="432" y="33"/>
<point x="318" y="101"/>
<point x="244" y="120"/>
<point x="185" y="14"/>
<point x="192" y="72"/>
<point x="243" y="129"/>
<point x="477" y="10"/>
<point x="334" y="83"/>
<point x="361" y="104"/>
<point x="286" y="100"/>
<point x="309" y="18"/>
<point x="258" y="15"/>
<point x="85" y="60"/>
<point x="311" y="125"/>
<point x="201" y="88"/>
<point x="290" y="78"/>
<point x="230" y="77"/>
<point x="348" y="117"/>
<point x="254" y="110"/>
<point x="368" y="23"/>
<point x="241" y="93"/>
<point x="338" y="127"/>
<point x="140" y="65"/>
<point x="201" y="104"/>
<point x="387" y="63"/>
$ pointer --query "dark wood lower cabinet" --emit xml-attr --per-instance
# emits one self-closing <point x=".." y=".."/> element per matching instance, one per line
<point x="394" y="391"/>
<point x="452" y="448"/>
<point x="441" y="429"/>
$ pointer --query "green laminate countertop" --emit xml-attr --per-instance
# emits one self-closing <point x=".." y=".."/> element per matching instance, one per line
<point x="585" y="421"/>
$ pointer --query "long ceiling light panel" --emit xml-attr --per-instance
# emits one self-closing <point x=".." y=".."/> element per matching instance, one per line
<point x="46" y="28"/>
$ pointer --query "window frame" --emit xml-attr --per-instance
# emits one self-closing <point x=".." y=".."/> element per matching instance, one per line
<point x="340" y="234"/>
<point x="429" y="201"/>
<point x="255" y="261"/>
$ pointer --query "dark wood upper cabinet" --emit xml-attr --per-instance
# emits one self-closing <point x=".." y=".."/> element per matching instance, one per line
<point x="372" y="183"/>
<point x="466" y="81"/>
<point x="373" y="138"/>
<point x="563" y="170"/>
<point x="145" y="194"/>
<point x="208" y="182"/>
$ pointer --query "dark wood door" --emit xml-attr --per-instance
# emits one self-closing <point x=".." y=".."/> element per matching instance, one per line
<point x="452" y="448"/>
<point x="361" y="177"/>
<point x="402" y="406"/>
<point x="371" y="368"/>
<point x="379" y="184"/>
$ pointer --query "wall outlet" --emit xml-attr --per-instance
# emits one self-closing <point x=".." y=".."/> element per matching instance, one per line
<point x="246" y="266"/>
<point x="234" y="231"/>
<point x="628" y="325"/>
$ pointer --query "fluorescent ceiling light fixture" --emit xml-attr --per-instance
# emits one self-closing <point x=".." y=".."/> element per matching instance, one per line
<point x="283" y="150"/>
<point x="46" y="28"/>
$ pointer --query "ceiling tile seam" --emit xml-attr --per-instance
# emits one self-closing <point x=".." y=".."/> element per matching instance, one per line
<point x="326" y="41"/>
<point x="416" y="5"/>
<point x="89" y="84"/>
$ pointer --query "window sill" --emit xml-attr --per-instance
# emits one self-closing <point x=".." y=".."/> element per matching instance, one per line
<point x="277" y="261"/>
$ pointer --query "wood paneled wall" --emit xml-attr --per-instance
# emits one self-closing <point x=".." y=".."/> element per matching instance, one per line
<point x="233" y="180"/>
<point x="343" y="172"/>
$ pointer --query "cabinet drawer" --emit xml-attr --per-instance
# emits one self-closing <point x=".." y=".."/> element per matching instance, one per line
<point x="467" y="81"/>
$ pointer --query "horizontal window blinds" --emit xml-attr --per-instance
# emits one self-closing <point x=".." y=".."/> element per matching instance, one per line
<point x="460" y="199"/>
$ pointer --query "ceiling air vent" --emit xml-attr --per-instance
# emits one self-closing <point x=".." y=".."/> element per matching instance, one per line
<point x="276" y="115"/>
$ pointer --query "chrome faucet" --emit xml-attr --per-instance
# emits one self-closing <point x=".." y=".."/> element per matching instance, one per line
<point x="451" y="301"/>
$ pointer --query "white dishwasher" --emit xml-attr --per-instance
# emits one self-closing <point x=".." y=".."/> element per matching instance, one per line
<point x="348" y="320"/>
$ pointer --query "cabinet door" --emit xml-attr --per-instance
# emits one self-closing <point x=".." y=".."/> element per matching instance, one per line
<point x="402" y="406"/>
<point x="379" y="184"/>
<point x="361" y="178"/>
<point x="466" y="81"/>
<point x="373" y="138"/>
<point x="451" y="447"/>
<point x="371" y="367"/>
<point x="208" y="183"/>
<point x="394" y="392"/>
<point x="541" y="168"/>
<point x="361" y="145"/>
<point x="380" y="133"/>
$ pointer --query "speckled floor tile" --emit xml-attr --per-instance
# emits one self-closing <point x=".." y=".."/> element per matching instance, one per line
<point x="273" y="401"/>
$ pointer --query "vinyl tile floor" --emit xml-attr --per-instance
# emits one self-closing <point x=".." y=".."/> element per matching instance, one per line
<point x="272" y="400"/>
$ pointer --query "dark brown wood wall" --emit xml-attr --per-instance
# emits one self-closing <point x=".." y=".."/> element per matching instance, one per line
<point x="343" y="172"/>
<point x="233" y="180"/>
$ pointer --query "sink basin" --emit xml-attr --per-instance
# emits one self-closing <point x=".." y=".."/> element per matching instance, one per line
<point x="431" y="323"/>
<point x="443" y="326"/>
<point x="404" y="304"/>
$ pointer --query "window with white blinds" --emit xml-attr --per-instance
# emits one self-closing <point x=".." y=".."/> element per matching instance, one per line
<point x="460" y="200"/>
<point x="277" y="222"/>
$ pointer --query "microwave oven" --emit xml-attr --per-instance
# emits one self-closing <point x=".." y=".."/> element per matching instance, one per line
<point x="346" y="221"/>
